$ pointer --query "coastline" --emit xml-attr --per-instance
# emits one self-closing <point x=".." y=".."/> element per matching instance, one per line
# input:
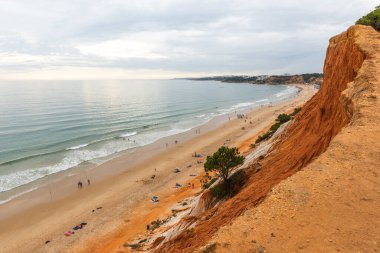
<point x="12" y="188"/>
<point x="120" y="191"/>
<point x="96" y="172"/>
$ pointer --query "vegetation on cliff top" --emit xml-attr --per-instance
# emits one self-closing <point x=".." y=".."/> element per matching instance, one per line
<point x="371" y="19"/>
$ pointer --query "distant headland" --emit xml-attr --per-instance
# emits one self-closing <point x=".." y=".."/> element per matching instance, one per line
<point x="312" y="78"/>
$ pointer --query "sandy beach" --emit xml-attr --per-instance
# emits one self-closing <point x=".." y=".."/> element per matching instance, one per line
<point x="116" y="206"/>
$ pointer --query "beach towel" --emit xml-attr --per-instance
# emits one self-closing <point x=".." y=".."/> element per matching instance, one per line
<point x="155" y="199"/>
<point x="78" y="227"/>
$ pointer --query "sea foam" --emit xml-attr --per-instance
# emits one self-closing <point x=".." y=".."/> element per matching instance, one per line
<point x="128" y="134"/>
<point x="78" y="147"/>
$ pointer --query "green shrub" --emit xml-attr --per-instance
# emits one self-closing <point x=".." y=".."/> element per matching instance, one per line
<point x="223" y="161"/>
<point x="282" y="118"/>
<point x="235" y="182"/>
<point x="219" y="191"/>
<point x="297" y="110"/>
<point x="205" y="180"/>
<point x="274" y="127"/>
<point x="371" y="19"/>
<point x="209" y="183"/>
<point x="263" y="137"/>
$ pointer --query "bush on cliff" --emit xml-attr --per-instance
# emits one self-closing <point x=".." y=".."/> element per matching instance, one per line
<point x="297" y="110"/>
<point x="371" y="19"/>
<point x="263" y="137"/>
<point x="222" y="162"/>
<point x="274" y="127"/>
<point x="236" y="182"/>
<point x="282" y="118"/>
<point x="206" y="183"/>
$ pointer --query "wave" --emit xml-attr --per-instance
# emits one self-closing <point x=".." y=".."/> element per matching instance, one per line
<point x="19" y="178"/>
<point x="28" y="157"/>
<point x="262" y="100"/>
<point x="71" y="160"/>
<point x="127" y="134"/>
<point x="291" y="90"/>
<point x="242" y="105"/>
<point x="20" y="159"/>
<point x="78" y="156"/>
<point x="234" y="108"/>
<point x="77" y="147"/>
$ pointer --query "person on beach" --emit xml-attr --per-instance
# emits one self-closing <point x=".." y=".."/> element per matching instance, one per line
<point x="175" y="141"/>
<point x="88" y="182"/>
<point x="80" y="185"/>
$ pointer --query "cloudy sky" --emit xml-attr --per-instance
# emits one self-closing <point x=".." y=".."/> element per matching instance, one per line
<point x="91" y="39"/>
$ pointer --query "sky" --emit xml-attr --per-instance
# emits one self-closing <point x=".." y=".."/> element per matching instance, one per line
<point x="115" y="39"/>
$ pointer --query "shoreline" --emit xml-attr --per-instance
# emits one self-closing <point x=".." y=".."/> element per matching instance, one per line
<point x="88" y="170"/>
<point x="20" y="171"/>
<point x="126" y="191"/>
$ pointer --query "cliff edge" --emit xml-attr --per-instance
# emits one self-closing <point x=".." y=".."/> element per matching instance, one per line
<point x="333" y="202"/>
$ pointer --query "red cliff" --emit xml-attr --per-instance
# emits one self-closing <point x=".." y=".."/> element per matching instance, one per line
<point x="348" y="97"/>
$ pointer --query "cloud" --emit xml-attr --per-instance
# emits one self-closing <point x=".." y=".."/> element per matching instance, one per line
<point x="159" y="38"/>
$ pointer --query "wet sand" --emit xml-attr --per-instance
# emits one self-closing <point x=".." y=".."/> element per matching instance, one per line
<point x="117" y="203"/>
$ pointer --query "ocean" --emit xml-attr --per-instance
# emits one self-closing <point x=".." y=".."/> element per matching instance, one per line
<point x="51" y="126"/>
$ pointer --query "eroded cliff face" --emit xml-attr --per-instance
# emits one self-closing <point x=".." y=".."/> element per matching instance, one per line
<point x="339" y="103"/>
